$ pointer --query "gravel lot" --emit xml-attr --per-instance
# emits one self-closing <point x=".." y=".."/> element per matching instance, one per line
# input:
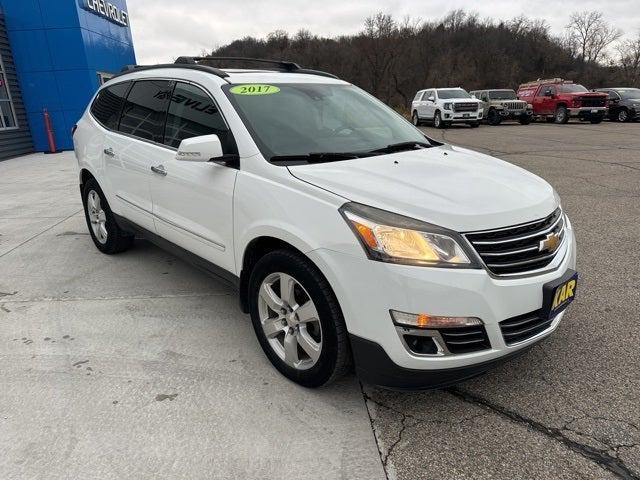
<point x="139" y="366"/>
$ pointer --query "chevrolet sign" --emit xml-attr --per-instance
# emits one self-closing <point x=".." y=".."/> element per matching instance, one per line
<point x="108" y="11"/>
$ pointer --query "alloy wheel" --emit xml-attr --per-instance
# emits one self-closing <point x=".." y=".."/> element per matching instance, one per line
<point x="623" y="115"/>
<point x="290" y="321"/>
<point x="97" y="217"/>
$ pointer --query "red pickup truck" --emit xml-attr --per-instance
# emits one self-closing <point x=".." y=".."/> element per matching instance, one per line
<point x="558" y="100"/>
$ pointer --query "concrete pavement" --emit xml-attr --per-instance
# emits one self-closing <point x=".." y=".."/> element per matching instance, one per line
<point x="139" y="366"/>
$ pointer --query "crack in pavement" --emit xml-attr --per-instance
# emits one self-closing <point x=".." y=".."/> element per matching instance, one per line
<point x="40" y="233"/>
<point x="598" y="456"/>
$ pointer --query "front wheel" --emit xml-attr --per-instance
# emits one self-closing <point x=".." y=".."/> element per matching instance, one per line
<point x="623" y="115"/>
<point x="415" y="119"/>
<point x="493" y="118"/>
<point x="562" y="115"/>
<point x="297" y="319"/>
<point x="525" y="120"/>
<point x="474" y="124"/>
<point x="437" y="121"/>
<point x="105" y="232"/>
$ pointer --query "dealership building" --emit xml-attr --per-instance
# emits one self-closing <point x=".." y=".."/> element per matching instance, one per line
<point x="54" y="54"/>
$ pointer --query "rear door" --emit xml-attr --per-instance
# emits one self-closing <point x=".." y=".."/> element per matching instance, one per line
<point x="193" y="201"/>
<point x="135" y="147"/>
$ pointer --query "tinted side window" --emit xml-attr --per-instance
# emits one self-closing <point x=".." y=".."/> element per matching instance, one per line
<point x="192" y="113"/>
<point x="108" y="104"/>
<point x="418" y="96"/>
<point x="145" y="110"/>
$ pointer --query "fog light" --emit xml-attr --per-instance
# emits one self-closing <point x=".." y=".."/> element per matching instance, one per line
<point x="422" y="320"/>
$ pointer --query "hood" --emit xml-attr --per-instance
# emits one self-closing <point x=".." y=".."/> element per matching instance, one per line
<point x="448" y="186"/>
<point x="460" y="100"/>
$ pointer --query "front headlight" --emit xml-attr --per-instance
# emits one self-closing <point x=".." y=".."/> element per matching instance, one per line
<point x="447" y="106"/>
<point x="388" y="237"/>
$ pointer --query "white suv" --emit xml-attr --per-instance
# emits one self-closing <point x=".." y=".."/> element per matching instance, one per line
<point x="350" y="236"/>
<point x="444" y="106"/>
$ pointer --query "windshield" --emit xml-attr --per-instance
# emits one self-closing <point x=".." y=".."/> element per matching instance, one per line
<point x="572" y="88"/>
<point x="629" y="93"/>
<point x="452" y="93"/>
<point x="502" y="95"/>
<point x="303" y="118"/>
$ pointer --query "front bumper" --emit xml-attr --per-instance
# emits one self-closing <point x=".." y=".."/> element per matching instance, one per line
<point x="587" y="111"/>
<point x="367" y="290"/>
<point x="461" y="117"/>
<point x="515" y="114"/>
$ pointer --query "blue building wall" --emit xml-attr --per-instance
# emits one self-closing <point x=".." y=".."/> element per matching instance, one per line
<point x="59" y="46"/>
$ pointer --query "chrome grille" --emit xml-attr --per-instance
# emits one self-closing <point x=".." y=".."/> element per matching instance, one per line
<point x="521" y="328"/>
<point x="465" y="339"/>
<point x="465" y="107"/>
<point x="518" y="249"/>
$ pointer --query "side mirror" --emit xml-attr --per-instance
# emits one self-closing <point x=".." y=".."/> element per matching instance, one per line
<point x="432" y="98"/>
<point x="199" y="149"/>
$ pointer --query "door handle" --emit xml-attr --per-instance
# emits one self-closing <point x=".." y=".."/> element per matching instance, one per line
<point x="159" y="170"/>
<point x="109" y="151"/>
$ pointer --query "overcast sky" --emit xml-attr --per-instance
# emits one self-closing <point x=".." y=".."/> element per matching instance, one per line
<point x="165" y="29"/>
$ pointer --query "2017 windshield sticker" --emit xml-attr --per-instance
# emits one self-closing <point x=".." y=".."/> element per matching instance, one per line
<point x="254" y="89"/>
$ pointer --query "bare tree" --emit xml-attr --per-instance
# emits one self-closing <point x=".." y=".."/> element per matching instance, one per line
<point x="589" y="35"/>
<point x="629" y="62"/>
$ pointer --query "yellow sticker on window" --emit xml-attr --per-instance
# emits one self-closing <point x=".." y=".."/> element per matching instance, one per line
<point x="254" y="89"/>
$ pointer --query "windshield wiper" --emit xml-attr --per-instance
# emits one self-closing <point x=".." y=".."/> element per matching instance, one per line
<point x="318" y="157"/>
<point x="402" y="146"/>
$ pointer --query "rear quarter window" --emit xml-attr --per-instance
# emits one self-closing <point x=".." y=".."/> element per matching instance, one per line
<point x="108" y="104"/>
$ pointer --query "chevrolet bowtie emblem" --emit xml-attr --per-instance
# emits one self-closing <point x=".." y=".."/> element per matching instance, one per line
<point x="550" y="244"/>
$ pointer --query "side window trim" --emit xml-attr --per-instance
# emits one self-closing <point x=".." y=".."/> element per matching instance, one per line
<point x="175" y="82"/>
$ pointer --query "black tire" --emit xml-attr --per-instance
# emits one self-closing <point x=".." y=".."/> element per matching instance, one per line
<point x="335" y="355"/>
<point x="415" y="119"/>
<point x="623" y="115"/>
<point x="474" y="124"/>
<point x="525" y="120"/>
<point x="561" y="116"/>
<point x="596" y="120"/>
<point x="438" y="122"/>
<point x="493" y="118"/>
<point x="117" y="240"/>
<point x="550" y="119"/>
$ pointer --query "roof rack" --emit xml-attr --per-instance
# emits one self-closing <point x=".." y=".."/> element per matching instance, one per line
<point x="540" y="81"/>
<point x="281" y="65"/>
<point x="203" y="68"/>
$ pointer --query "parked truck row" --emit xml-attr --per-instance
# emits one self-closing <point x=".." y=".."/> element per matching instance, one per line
<point x="552" y="100"/>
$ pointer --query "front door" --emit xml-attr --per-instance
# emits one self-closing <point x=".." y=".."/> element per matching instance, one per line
<point x="193" y="201"/>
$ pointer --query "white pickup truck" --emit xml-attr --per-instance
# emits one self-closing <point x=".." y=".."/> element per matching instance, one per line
<point x="444" y="106"/>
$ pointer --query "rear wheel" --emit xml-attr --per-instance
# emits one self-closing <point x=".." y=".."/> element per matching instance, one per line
<point x="105" y="232"/>
<point x="562" y="115"/>
<point x="623" y="115"/>
<point x="596" y="120"/>
<point x="415" y="119"/>
<point x="493" y="117"/>
<point x="297" y="319"/>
